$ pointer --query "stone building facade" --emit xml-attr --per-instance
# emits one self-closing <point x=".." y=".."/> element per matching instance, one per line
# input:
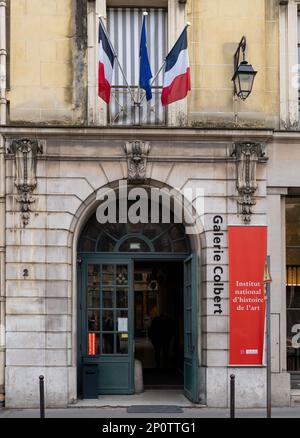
<point x="59" y="146"/>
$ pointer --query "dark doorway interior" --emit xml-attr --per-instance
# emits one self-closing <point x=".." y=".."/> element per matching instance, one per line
<point x="158" y="322"/>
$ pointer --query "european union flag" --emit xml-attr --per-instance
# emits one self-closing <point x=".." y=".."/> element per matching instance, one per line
<point x="145" y="70"/>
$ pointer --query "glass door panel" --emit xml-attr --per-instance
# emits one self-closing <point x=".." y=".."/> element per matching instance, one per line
<point x="107" y="335"/>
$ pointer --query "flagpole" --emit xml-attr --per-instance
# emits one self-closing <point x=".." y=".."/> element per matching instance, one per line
<point x="116" y="57"/>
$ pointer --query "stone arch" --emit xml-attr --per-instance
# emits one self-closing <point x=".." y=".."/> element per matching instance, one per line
<point x="82" y="215"/>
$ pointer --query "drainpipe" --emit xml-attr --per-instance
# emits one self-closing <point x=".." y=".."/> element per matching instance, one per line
<point x="3" y="103"/>
<point x="2" y="271"/>
<point x="3" y="55"/>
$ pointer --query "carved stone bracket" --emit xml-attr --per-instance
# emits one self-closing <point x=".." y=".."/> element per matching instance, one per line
<point x="137" y="156"/>
<point x="25" y="153"/>
<point x="247" y="156"/>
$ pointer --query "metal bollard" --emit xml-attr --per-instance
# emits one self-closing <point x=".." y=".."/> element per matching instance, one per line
<point x="232" y="396"/>
<point x="42" y="397"/>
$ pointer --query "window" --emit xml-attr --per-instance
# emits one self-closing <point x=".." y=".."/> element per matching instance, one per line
<point x="124" y="27"/>
<point x="169" y="237"/>
<point x="288" y="39"/>
<point x="165" y="19"/>
<point x="107" y="309"/>
<point x="293" y="286"/>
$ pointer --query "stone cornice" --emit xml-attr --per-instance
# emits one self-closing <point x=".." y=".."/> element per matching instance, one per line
<point x="154" y="159"/>
<point x="286" y="136"/>
<point x="145" y="133"/>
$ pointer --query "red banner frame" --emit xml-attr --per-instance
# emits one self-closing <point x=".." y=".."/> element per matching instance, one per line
<point x="247" y="248"/>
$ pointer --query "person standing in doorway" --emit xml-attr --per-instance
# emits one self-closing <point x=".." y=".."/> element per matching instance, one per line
<point x="160" y="334"/>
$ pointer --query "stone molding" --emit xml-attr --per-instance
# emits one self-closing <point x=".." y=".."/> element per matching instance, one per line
<point x="137" y="157"/>
<point x="288" y="39"/>
<point x="25" y="153"/>
<point x="247" y="155"/>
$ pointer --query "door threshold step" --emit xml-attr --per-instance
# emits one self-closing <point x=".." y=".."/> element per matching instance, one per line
<point x="154" y="409"/>
<point x="163" y="387"/>
<point x="148" y="397"/>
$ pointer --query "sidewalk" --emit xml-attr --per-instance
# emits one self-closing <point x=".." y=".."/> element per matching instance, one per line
<point x="122" y="413"/>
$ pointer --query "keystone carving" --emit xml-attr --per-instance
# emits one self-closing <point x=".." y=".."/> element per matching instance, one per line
<point x="137" y="156"/>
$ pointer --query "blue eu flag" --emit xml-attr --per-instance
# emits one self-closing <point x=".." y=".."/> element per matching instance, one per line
<point x="145" y="70"/>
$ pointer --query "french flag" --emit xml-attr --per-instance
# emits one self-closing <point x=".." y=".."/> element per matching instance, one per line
<point x="106" y="65"/>
<point x="177" y="80"/>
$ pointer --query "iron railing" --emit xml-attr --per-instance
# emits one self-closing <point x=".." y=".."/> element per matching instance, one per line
<point x="122" y="110"/>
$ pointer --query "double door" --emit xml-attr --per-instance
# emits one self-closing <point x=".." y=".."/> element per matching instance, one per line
<point x="106" y="324"/>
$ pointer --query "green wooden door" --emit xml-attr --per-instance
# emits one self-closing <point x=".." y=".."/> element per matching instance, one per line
<point x="106" y="302"/>
<point x="190" y="329"/>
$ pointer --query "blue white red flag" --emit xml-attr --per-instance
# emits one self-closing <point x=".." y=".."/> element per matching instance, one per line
<point x="106" y="65"/>
<point x="177" y="81"/>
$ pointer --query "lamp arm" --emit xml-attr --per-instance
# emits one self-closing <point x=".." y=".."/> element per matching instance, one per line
<point x="241" y="47"/>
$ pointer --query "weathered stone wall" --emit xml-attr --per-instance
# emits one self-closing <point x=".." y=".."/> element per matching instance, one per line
<point x="47" y="61"/>
<point x="48" y="71"/>
<point x="217" y="28"/>
<point x="41" y="309"/>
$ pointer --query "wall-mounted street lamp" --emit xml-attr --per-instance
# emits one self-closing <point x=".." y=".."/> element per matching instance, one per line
<point x="244" y="73"/>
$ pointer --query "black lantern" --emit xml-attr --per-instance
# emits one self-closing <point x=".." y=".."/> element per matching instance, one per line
<point x="244" y="73"/>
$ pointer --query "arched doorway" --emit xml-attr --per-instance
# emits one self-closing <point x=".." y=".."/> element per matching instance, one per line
<point x="137" y="300"/>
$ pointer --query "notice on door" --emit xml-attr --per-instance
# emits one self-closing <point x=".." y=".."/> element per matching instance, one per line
<point x="247" y="246"/>
<point x="122" y="324"/>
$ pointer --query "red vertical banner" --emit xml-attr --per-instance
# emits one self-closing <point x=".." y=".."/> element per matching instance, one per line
<point x="247" y="246"/>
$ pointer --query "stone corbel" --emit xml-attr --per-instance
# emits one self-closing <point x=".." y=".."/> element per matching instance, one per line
<point x="137" y="156"/>
<point x="25" y="153"/>
<point x="247" y="156"/>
